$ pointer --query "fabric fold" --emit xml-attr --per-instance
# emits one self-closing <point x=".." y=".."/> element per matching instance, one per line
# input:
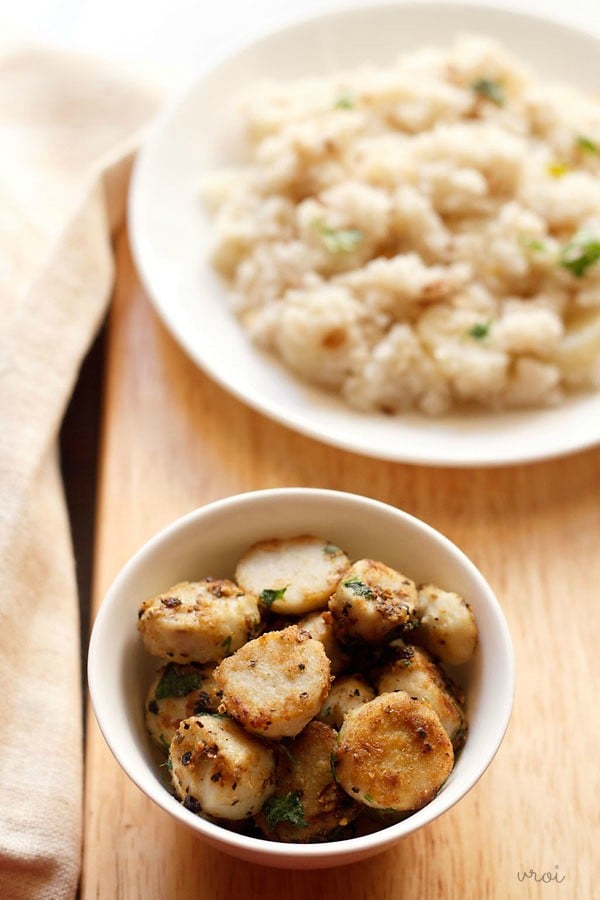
<point x="68" y="128"/>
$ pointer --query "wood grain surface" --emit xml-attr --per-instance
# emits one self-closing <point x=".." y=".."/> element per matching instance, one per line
<point x="173" y="440"/>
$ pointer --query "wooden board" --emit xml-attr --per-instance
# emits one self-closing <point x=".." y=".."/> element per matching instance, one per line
<point x="173" y="440"/>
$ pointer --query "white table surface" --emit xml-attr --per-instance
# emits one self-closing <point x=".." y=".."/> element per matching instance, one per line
<point x="175" y="35"/>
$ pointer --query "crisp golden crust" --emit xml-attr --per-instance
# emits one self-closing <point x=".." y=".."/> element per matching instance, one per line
<point x="371" y="601"/>
<point x="320" y="626"/>
<point x="416" y="672"/>
<point x="200" y="621"/>
<point x="248" y="707"/>
<point x="393" y="753"/>
<point x="219" y="770"/>
<point x="347" y="692"/>
<point x="305" y="768"/>
<point x="293" y="575"/>
<point x="178" y="692"/>
<point x="447" y="626"/>
<point x="275" y="684"/>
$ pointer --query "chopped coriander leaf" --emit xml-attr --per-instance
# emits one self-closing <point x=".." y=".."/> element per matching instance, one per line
<point x="586" y="144"/>
<point x="168" y="765"/>
<point x="270" y="595"/>
<point x="490" y="89"/>
<point x="339" y="833"/>
<point x="386" y="811"/>
<point x="339" y="240"/>
<point x="345" y="101"/>
<point x="531" y="243"/>
<point x="479" y="331"/>
<point x="359" y="588"/>
<point x="332" y="766"/>
<point x="327" y="711"/>
<point x="288" y="753"/>
<point x="331" y="550"/>
<point x="164" y="743"/>
<point x="227" y="643"/>
<point x="285" y="809"/>
<point x="368" y="798"/>
<point x="175" y="683"/>
<point x="580" y="254"/>
<point x="557" y="169"/>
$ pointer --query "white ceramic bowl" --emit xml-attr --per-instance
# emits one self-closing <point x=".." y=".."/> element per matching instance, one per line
<point x="209" y="541"/>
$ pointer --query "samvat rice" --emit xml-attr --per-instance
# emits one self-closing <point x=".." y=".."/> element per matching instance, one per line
<point x="421" y="236"/>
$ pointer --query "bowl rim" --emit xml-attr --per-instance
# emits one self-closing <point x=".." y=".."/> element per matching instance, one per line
<point x="260" y="847"/>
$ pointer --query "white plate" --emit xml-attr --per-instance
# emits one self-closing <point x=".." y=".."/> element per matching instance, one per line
<point x="171" y="233"/>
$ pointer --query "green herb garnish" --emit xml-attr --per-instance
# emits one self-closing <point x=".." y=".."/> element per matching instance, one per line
<point x="226" y="643"/>
<point x="586" y="144"/>
<point x="285" y="809"/>
<point x="345" y="101"/>
<point x="164" y="743"/>
<point x="168" y="765"/>
<point x="531" y="243"/>
<point x="580" y="254"/>
<point x="368" y="798"/>
<point x="288" y="753"/>
<point x="270" y="595"/>
<point x="340" y="832"/>
<point x="479" y="331"/>
<point x="332" y="762"/>
<point x="490" y="90"/>
<point x="177" y="683"/>
<point x="331" y="550"/>
<point x="339" y="240"/>
<point x="358" y="587"/>
<point x="385" y="812"/>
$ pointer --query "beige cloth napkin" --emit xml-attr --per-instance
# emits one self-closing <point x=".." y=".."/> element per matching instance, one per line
<point x="68" y="127"/>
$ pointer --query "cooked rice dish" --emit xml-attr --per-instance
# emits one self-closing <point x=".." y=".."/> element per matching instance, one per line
<point x="424" y="236"/>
